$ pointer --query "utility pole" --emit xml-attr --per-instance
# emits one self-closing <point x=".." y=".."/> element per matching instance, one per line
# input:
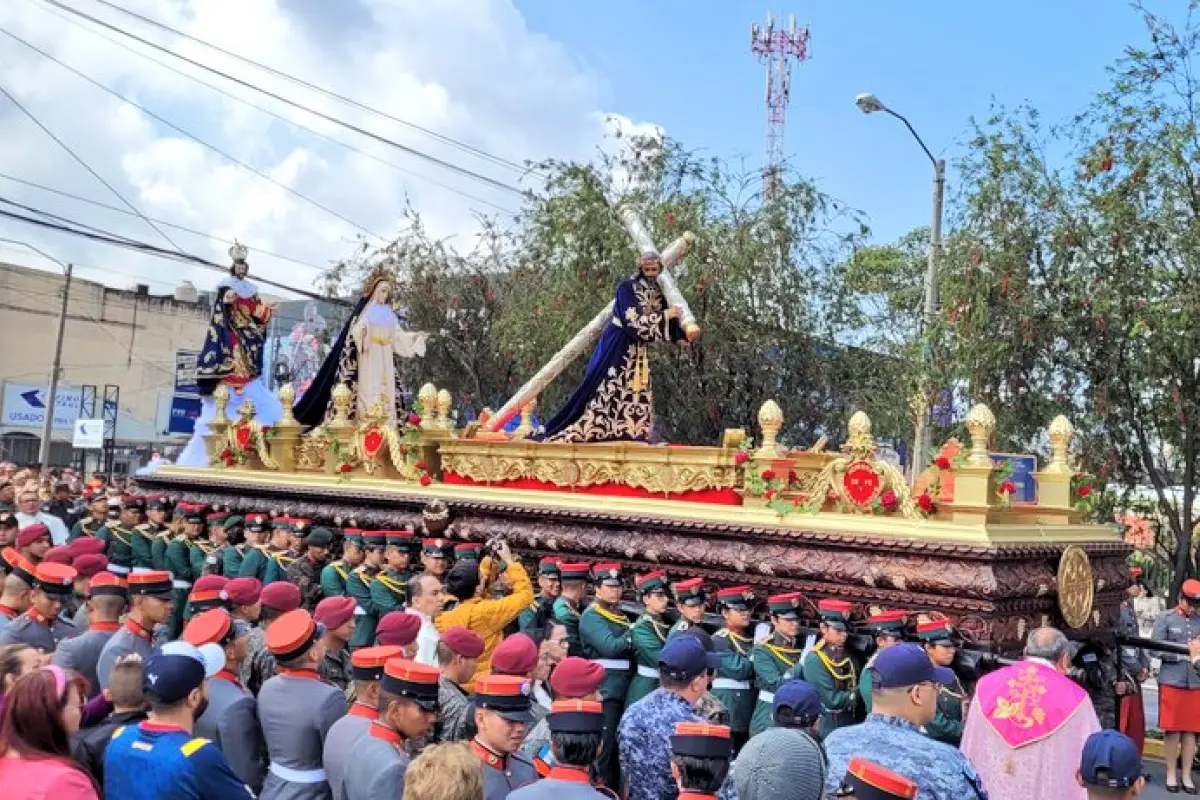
<point x="51" y="400"/>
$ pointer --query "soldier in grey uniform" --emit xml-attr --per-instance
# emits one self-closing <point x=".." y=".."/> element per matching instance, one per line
<point x="17" y="586"/>
<point x="503" y="714"/>
<point x="405" y="687"/>
<point x="150" y="603"/>
<point x="366" y="666"/>
<point x="231" y="719"/>
<point x="296" y="710"/>
<point x="40" y="627"/>
<point x="576" y="730"/>
<point x="106" y="602"/>
<point x="1179" y="684"/>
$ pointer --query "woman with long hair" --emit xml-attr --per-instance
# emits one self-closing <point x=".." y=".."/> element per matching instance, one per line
<point x="41" y="713"/>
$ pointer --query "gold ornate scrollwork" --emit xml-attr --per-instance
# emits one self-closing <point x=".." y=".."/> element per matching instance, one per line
<point x="245" y="437"/>
<point x="373" y="437"/>
<point x="312" y="449"/>
<point x="1076" y="587"/>
<point x="858" y="477"/>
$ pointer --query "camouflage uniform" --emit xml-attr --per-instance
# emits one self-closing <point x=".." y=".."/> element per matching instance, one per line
<point x="335" y="668"/>
<point x="453" y="717"/>
<point x="644" y="744"/>
<point x="306" y="574"/>
<point x="259" y="665"/>
<point x="941" y="771"/>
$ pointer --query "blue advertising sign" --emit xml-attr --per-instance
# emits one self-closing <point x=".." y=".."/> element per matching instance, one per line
<point x="185" y="403"/>
<point x="1023" y="467"/>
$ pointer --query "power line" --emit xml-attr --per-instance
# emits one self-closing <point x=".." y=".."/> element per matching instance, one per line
<point x="191" y="136"/>
<point x="259" y="108"/>
<point x="464" y="171"/>
<point x="172" y="225"/>
<point x="152" y="250"/>
<point x="82" y="163"/>
<point x="300" y="81"/>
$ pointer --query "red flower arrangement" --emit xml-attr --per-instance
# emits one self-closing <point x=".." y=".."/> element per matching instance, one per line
<point x="426" y="480"/>
<point x="741" y="457"/>
<point x="414" y="420"/>
<point x="942" y="462"/>
<point x="768" y="474"/>
<point x="926" y="504"/>
<point x="889" y="501"/>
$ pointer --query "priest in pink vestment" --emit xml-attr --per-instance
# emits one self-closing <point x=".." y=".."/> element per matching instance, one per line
<point x="1028" y="723"/>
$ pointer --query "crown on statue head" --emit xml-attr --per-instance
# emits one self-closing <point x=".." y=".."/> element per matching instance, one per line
<point x="238" y="252"/>
<point x="382" y="272"/>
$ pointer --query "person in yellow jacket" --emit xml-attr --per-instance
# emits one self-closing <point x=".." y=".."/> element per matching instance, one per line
<point x="476" y="611"/>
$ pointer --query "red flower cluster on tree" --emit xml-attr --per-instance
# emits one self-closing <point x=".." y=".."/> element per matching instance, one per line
<point x="942" y="462"/>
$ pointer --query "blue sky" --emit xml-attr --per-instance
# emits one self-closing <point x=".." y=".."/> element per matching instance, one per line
<point x="686" y="65"/>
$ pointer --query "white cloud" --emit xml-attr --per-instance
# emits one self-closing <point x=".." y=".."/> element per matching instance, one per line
<point x="468" y="69"/>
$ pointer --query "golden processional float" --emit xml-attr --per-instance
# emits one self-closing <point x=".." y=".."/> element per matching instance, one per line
<point x="842" y="523"/>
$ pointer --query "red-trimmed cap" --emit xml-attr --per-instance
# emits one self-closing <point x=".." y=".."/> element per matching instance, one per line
<point x="1191" y="590"/>
<point x="105" y="583"/>
<point x="410" y="679"/>
<point x="576" y="716"/>
<point x="834" y="612"/>
<point x="398" y="538"/>
<point x="244" y="591"/>
<point x="573" y="571"/>
<point x="58" y="555"/>
<point x="689" y="592"/>
<point x="87" y="545"/>
<point x="90" y="564"/>
<point x="56" y="579"/>
<point x="506" y="695"/>
<point x="398" y="628"/>
<point x="516" y="655"/>
<point x="281" y="596"/>
<point x="463" y="642"/>
<point x="292" y="634"/>
<point x="702" y="740"/>
<point x="299" y="524"/>
<point x="867" y="779"/>
<point x="576" y="677"/>
<point x="334" y="612"/>
<point x="651" y="581"/>
<point x="154" y="582"/>
<point x="31" y="533"/>
<point x="608" y="572"/>
<point x="549" y="566"/>
<point x="213" y="626"/>
<point x="736" y="597"/>
<point x="938" y="631"/>
<point x="785" y="605"/>
<point x="367" y="663"/>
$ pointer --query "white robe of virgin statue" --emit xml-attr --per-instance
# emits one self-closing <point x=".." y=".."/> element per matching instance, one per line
<point x="378" y="337"/>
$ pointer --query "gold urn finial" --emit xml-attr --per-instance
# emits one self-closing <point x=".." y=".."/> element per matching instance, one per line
<point x="1061" y="432"/>
<point x="860" y="438"/>
<point x="221" y="401"/>
<point x="246" y="410"/>
<point x="981" y="424"/>
<point x="770" y="421"/>
<point x="444" y="401"/>
<point x="525" y="429"/>
<point x="342" y="397"/>
<point x="427" y="397"/>
<point x="287" y="396"/>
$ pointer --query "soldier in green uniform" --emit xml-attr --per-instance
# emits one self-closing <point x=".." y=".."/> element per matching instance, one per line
<point x="888" y="627"/>
<point x="689" y="599"/>
<point x="549" y="588"/>
<point x="201" y="548"/>
<point x="829" y="668"/>
<point x="179" y="563"/>
<point x="776" y="660"/>
<point x="437" y="556"/>
<point x="97" y="516"/>
<point x="144" y="534"/>
<point x="158" y="547"/>
<point x="221" y="531"/>
<point x="947" y="725"/>
<point x="358" y="586"/>
<point x="467" y="551"/>
<point x="281" y="553"/>
<point x="734" y="685"/>
<point x="119" y="535"/>
<point x="258" y="558"/>
<point x="335" y="574"/>
<point x="254" y="525"/>
<point x="569" y="604"/>
<point x="605" y="634"/>
<point x="650" y="633"/>
<point x="389" y="588"/>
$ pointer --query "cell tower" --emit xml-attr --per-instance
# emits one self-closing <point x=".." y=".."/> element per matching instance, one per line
<point x="777" y="49"/>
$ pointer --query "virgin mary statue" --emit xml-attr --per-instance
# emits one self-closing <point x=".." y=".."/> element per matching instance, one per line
<point x="365" y="357"/>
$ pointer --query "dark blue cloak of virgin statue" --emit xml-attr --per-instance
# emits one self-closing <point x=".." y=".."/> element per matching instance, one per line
<point x="614" y="402"/>
<point x="237" y="328"/>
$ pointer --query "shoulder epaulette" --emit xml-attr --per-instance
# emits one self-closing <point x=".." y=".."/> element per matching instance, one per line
<point x="120" y="729"/>
<point x="192" y="746"/>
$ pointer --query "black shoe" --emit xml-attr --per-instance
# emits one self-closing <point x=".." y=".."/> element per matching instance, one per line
<point x="1189" y="789"/>
<point x="1172" y="788"/>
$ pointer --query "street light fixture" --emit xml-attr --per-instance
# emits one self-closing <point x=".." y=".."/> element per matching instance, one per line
<point x="868" y="104"/>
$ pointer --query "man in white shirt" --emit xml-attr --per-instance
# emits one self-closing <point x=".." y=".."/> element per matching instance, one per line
<point x="29" y="513"/>
<point x="426" y="600"/>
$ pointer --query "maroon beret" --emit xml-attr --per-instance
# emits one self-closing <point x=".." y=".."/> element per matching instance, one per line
<point x="516" y="655"/>
<point x="31" y="534"/>
<point x="334" y="612"/>
<point x="575" y="678"/>
<point x="85" y="545"/>
<point x="210" y="583"/>
<point x="397" y="628"/>
<point x="465" y="643"/>
<point x="90" y="564"/>
<point x="58" y="555"/>
<point x="281" y="596"/>
<point x="244" y="591"/>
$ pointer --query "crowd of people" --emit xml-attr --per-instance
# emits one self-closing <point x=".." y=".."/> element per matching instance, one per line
<point x="160" y="649"/>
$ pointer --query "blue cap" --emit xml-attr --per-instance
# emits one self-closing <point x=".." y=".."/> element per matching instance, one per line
<point x="684" y="657"/>
<point x="800" y="699"/>
<point x="1110" y="760"/>
<point x="906" y="664"/>
<point x="175" y="669"/>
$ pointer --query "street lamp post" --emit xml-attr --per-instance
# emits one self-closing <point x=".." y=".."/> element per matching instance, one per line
<point x="868" y="104"/>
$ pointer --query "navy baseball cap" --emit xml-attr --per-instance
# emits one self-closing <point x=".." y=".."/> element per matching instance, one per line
<point x="906" y="664"/>
<point x="800" y="702"/>
<point x="1110" y="760"/>
<point x="684" y="657"/>
<point x="175" y="669"/>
